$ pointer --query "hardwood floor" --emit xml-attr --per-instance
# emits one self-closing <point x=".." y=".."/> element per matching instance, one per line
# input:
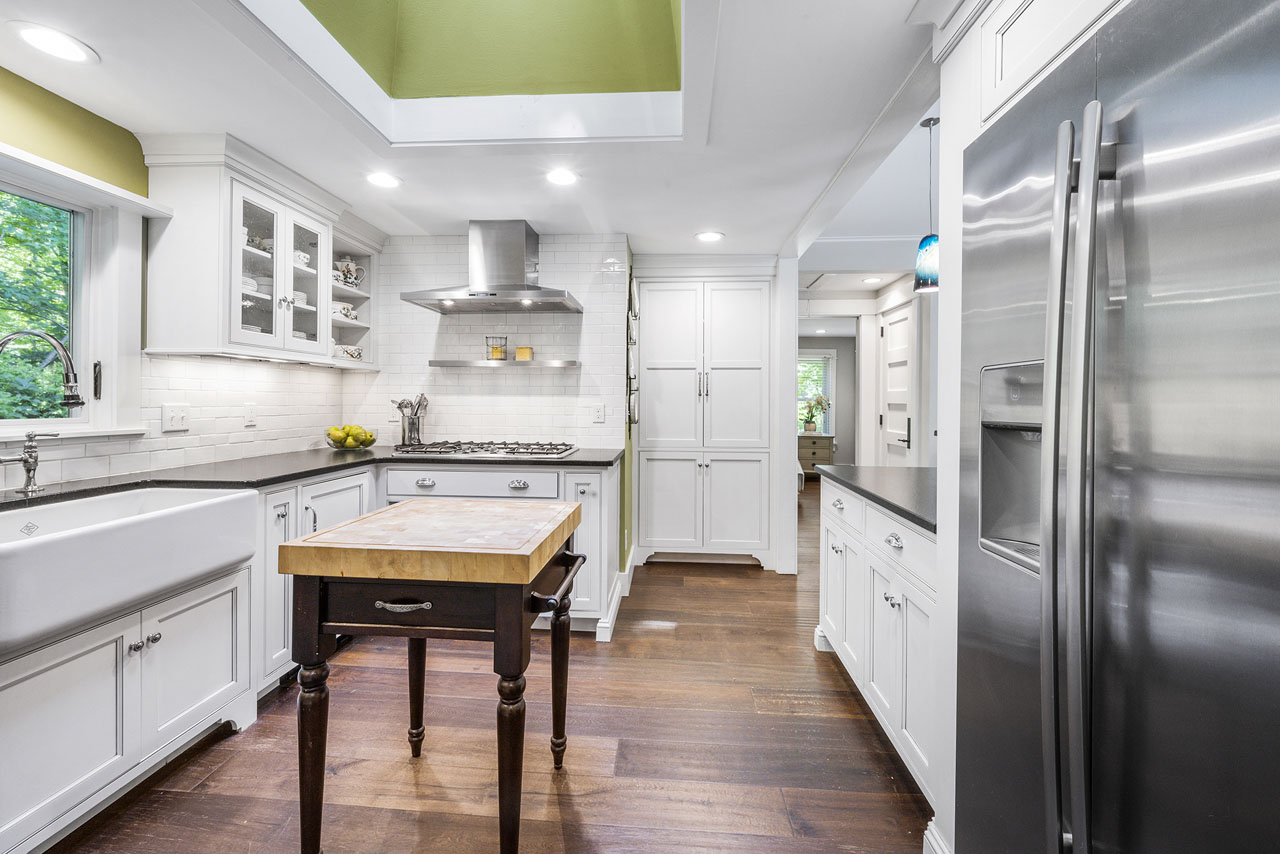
<point x="709" y="724"/>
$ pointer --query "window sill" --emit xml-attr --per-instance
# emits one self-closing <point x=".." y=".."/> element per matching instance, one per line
<point x="77" y="432"/>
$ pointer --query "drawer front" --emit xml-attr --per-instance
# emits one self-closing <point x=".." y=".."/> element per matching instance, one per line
<point x="814" y="442"/>
<point x="454" y="606"/>
<point x="903" y="543"/>
<point x="843" y="505"/>
<point x="821" y="455"/>
<point x="498" y="483"/>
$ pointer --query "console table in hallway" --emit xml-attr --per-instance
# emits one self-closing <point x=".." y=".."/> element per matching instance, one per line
<point x="434" y="568"/>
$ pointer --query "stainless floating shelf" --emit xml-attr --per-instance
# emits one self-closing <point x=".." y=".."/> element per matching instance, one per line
<point x="504" y="363"/>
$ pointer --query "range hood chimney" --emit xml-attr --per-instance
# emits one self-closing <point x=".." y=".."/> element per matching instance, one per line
<point x="502" y="274"/>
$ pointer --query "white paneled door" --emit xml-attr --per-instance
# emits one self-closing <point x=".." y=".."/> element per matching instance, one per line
<point x="735" y="500"/>
<point x="736" y="365"/>
<point x="899" y="378"/>
<point x="670" y="372"/>
<point x="670" y="506"/>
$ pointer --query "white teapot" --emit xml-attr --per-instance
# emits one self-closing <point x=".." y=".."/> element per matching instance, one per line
<point x="350" y="270"/>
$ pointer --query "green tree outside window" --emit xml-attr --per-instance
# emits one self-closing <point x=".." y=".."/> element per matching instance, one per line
<point x="35" y="293"/>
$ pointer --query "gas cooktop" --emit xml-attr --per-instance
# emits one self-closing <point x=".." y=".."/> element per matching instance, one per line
<point x="490" y="450"/>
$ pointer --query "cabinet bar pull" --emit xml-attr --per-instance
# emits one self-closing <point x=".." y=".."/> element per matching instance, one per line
<point x="402" y="609"/>
<point x="518" y="484"/>
<point x="425" y="482"/>
<point x="893" y="541"/>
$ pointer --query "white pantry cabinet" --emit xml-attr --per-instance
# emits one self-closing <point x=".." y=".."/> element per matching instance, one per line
<point x="87" y="715"/>
<point x="288" y="512"/>
<point x="878" y="618"/>
<point x="714" y="501"/>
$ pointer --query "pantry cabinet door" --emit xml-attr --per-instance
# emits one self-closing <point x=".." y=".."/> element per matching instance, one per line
<point x="68" y="725"/>
<point x="735" y="383"/>
<point x="196" y="657"/>
<point x="735" y="501"/>
<point x="669" y="486"/>
<point x="670" y="371"/>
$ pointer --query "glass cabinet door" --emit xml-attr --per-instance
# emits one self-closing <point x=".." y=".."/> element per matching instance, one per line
<point x="255" y="294"/>
<point x="307" y="303"/>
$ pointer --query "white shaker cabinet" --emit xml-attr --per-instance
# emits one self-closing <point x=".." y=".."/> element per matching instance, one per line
<point x="715" y="501"/>
<point x="670" y="508"/>
<point x="671" y="366"/>
<point x="735" y="500"/>
<point x="735" y="365"/>
<point x="331" y="502"/>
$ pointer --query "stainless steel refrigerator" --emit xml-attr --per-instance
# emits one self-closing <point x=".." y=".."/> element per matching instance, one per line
<point x="1119" y="591"/>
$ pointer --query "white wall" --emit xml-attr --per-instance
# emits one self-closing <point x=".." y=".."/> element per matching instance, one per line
<point x="540" y="404"/>
<point x="294" y="404"/>
<point x="845" y="392"/>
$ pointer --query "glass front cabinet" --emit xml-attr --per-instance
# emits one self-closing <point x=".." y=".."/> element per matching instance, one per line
<point x="280" y="285"/>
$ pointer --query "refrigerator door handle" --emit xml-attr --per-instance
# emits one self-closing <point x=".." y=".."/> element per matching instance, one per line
<point x="1050" y="444"/>
<point x="1079" y="464"/>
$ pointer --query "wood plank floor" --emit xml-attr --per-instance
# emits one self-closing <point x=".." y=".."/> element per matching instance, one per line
<point x="709" y="724"/>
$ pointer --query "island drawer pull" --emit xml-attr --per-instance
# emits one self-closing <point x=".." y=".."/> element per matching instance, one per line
<point x="425" y="482"/>
<point x="572" y="563"/>
<point x="518" y="484"/>
<point x="402" y="609"/>
<point x="893" y="541"/>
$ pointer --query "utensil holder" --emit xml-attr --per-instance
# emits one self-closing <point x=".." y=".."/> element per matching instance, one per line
<point x="411" y="427"/>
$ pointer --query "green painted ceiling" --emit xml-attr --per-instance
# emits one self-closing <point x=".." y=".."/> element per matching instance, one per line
<point x="450" y="48"/>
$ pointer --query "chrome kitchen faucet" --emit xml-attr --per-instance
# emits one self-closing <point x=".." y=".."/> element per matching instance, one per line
<point x="30" y="459"/>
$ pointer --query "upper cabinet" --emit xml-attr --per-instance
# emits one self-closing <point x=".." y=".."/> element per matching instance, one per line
<point x="252" y="263"/>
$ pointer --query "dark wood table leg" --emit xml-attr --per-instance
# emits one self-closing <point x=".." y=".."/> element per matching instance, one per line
<point x="417" y="688"/>
<point x="510" y="660"/>
<point x="311" y="650"/>
<point x="559" y="677"/>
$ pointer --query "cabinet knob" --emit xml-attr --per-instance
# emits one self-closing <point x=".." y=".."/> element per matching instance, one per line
<point x="425" y="482"/>
<point x="892" y="600"/>
<point x="136" y="646"/>
<point x="153" y="638"/>
<point x="282" y="512"/>
<point x="582" y="490"/>
<point x="837" y="549"/>
<point x="838" y="504"/>
<point x="518" y="484"/>
<point x="893" y="541"/>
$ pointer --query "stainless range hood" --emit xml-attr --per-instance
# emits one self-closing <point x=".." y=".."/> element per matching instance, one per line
<point x="502" y="271"/>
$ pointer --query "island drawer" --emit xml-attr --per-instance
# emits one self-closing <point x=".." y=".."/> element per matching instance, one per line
<point x="496" y="483"/>
<point x="903" y="542"/>
<point x="843" y="505"/>
<point x="453" y="605"/>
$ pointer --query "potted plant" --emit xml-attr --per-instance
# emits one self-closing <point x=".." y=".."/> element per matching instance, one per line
<point x="812" y="408"/>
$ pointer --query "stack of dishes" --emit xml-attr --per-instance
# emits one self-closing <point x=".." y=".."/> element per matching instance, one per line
<point x="300" y="297"/>
<point x="300" y="335"/>
<point x="248" y="284"/>
<point x="263" y="281"/>
<point x="250" y="328"/>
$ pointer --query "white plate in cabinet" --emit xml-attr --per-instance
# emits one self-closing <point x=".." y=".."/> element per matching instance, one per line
<point x="902" y="542"/>
<point x="68" y="724"/>
<point x="195" y="657"/>
<point x="843" y="505"/>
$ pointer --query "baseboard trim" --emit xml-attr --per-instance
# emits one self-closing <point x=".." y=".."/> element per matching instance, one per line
<point x="604" y="628"/>
<point x="820" y="641"/>
<point x="629" y="574"/>
<point x="933" y="841"/>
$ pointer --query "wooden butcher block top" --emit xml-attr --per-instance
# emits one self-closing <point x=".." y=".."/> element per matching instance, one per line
<point x="439" y="539"/>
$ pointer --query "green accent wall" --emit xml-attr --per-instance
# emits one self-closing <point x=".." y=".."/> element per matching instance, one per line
<point x="453" y="48"/>
<point x="49" y="126"/>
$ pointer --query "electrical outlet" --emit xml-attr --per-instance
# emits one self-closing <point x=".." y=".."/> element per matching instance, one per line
<point x="175" y="417"/>
<point x="250" y="415"/>
<point x="597" y="413"/>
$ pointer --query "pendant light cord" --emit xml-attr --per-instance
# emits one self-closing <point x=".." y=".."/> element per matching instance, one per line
<point x="931" y="229"/>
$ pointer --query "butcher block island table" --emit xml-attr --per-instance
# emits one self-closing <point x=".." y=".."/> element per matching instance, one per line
<point x="458" y="568"/>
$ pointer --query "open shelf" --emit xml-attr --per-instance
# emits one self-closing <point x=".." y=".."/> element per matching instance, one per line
<point x="504" y="363"/>
<point x="351" y="293"/>
<point x="347" y="323"/>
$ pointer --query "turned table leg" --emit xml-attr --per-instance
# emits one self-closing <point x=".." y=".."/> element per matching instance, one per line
<point x="510" y="760"/>
<point x="313" y="727"/>
<point x="417" y="688"/>
<point x="559" y="676"/>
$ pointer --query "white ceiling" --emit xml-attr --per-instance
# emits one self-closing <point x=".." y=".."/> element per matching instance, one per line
<point x="777" y="97"/>
<point x="848" y="283"/>
<point x="833" y="327"/>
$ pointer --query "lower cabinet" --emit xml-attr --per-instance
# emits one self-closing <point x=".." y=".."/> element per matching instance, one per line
<point x="289" y="512"/>
<point x="878" y="617"/>
<point x="715" y="501"/>
<point x="77" y="715"/>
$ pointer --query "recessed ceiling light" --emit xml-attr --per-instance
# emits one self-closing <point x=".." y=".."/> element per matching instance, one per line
<point x="526" y="302"/>
<point x="819" y="332"/>
<point x="383" y="179"/>
<point x="872" y="280"/>
<point x="562" y="177"/>
<point x="55" y="42"/>
<point x="710" y="236"/>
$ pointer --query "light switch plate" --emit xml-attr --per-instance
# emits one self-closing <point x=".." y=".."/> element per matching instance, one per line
<point x="175" y="417"/>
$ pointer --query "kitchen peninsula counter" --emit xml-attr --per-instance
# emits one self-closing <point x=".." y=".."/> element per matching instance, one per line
<point x="909" y="492"/>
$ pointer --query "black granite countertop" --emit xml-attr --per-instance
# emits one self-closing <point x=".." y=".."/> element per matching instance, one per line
<point x="911" y="493"/>
<point x="254" y="472"/>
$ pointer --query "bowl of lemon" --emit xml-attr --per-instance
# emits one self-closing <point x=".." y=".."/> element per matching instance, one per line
<point x="349" y="436"/>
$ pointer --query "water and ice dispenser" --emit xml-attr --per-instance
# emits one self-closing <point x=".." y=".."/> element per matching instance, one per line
<point x="1011" y="399"/>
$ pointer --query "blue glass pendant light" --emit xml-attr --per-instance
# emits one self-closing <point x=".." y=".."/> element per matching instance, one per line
<point x="927" y="253"/>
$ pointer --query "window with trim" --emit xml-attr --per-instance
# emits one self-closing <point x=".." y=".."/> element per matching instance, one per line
<point x="815" y="378"/>
<point x="38" y="272"/>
